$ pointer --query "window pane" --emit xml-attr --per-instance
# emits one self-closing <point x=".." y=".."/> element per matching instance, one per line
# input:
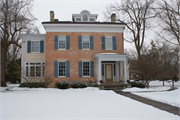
<point x="35" y="46"/>
<point x="86" y="69"/>
<point x="62" y="42"/>
<point x="43" y="71"/>
<point x="78" y="19"/>
<point x="85" y="17"/>
<point x="27" y="73"/>
<point x="62" y="71"/>
<point x="38" y="71"/>
<point x="91" y="19"/>
<point x="108" y="43"/>
<point x="32" y="71"/>
<point x="85" y="40"/>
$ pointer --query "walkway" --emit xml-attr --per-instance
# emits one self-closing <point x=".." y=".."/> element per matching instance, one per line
<point x="160" y="105"/>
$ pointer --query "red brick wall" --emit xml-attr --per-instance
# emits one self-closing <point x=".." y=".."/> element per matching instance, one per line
<point x="74" y="54"/>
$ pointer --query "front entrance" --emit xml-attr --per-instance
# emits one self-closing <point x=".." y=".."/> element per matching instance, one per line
<point x="108" y="73"/>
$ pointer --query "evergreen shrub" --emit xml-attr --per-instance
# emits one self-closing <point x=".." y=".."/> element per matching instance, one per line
<point x="62" y="84"/>
<point x="138" y="84"/>
<point x="78" y="84"/>
<point x="32" y="84"/>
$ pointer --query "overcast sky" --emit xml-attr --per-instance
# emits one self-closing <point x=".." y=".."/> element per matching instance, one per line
<point x="64" y="9"/>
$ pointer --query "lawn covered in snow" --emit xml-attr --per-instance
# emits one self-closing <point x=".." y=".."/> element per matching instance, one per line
<point x="74" y="104"/>
<point x="158" y="92"/>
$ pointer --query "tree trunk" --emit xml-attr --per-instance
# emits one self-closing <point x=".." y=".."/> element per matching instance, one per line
<point x="3" y="66"/>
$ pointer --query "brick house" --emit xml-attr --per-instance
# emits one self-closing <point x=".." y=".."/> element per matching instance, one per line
<point x="82" y="49"/>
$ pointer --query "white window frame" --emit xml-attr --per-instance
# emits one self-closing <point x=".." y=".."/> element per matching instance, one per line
<point x="78" y="18"/>
<point x="106" y="42"/>
<point x="83" y="19"/>
<point x="58" y="43"/>
<point x="83" y="70"/>
<point x="58" y="68"/>
<point x="83" y="41"/>
<point x="29" y="66"/>
<point x="32" y="46"/>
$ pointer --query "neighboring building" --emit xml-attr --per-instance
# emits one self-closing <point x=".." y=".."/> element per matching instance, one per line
<point x="81" y="49"/>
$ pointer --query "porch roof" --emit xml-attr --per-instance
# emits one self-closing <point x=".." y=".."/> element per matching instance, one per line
<point x="111" y="57"/>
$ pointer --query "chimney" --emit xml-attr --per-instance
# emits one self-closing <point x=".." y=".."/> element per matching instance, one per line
<point x="113" y="17"/>
<point x="51" y="16"/>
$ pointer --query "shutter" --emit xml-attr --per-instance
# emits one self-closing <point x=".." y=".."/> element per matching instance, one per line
<point x="103" y="42"/>
<point x="56" y="42"/>
<point x="55" y="68"/>
<point x="67" y="42"/>
<point x="28" y="46"/>
<point x="92" y="68"/>
<point x="114" y="43"/>
<point x="67" y="69"/>
<point x="80" y="68"/>
<point x="80" y="42"/>
<point x="91" y="42"/>
<point x="41" y="46"/>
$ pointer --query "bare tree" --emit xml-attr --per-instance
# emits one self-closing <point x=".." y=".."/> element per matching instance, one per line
<point x="15" y="18"/>
<point x="169" y="20"/>
<point x="136" y="14"/>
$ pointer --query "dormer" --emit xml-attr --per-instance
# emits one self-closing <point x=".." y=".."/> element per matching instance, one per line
<point x="84" y="16"/>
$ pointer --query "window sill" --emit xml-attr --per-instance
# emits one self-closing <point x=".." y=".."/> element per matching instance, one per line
<point x="61" y="76"/>
<point x="86" y="76"/>
<point x="61" y="49"/>
<point x="86" y="49"/>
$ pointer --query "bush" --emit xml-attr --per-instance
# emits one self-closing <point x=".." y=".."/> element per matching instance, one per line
<point x="137" y="84"/>
<point x="62" y="84"/>
<point x="78" y="84"/>
<point x="91" y="84"/>
<point x="32" y="84"/>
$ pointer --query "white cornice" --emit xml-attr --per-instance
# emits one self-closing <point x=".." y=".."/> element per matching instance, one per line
<point x="33" y="36"/>
<point x="107" y="28"/>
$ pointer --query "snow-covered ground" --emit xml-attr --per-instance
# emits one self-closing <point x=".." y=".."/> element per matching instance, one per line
<point x="74" y="104"/>
<point x="159" y="94"/>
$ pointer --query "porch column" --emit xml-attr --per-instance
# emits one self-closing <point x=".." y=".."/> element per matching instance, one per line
<point x="117" y="71"/>
<point x="99" y="71"/>
<point x="125" y="72"/>
<point x="121" y="69"/>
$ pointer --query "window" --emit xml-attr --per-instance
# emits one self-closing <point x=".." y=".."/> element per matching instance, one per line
<point x="85" y="42"/>
<point x="78" y="19"/>
<point x="86" y="69"/>
<point x="32" y="71"/>
<point x="108" y="41"/>
<point x="114" y="69"/>
<point x="35" y="69"/>
<point x="85" y="17"/>
<point x="102" y="69"/>
<point x="62" y="69"/>
<point x="91" y="19"/>
<point x="35" y="46"/>
<point x="62" y="42"/>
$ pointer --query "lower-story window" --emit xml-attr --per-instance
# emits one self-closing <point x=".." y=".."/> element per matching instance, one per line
<point x="62" y="69"/>
<point x="86" y="69"/>
<point x="34" y="69"/>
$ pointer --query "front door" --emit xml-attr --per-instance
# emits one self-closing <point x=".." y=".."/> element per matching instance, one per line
<point x="108" y="73"/>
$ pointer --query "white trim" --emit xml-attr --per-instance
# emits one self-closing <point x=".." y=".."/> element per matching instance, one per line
<point x="89" y="69"/>
<point x="58" y="43"/>
<point x="82" y="43"/>
<point x="105" y="28"/>
<point x="33" y="37"/>
<point x="58" y="68"/>
<point x="31" y="45"/>
<point x="106" y="42"/>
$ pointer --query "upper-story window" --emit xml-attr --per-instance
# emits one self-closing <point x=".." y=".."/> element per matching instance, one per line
<point x="85" y="17"/>
<point x="78" y="19"/>
<point x="108" y="41"/>
<point x="62" y="42"/>
<point x="35" y="46"/>
<point x="85" y="42"/>
<point x="91" y="19"/>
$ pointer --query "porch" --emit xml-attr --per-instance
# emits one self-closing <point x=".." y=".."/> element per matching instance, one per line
<point x="112" y="68"/>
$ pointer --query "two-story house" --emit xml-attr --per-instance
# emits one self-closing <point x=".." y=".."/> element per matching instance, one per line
<point x="82" y="49"/>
